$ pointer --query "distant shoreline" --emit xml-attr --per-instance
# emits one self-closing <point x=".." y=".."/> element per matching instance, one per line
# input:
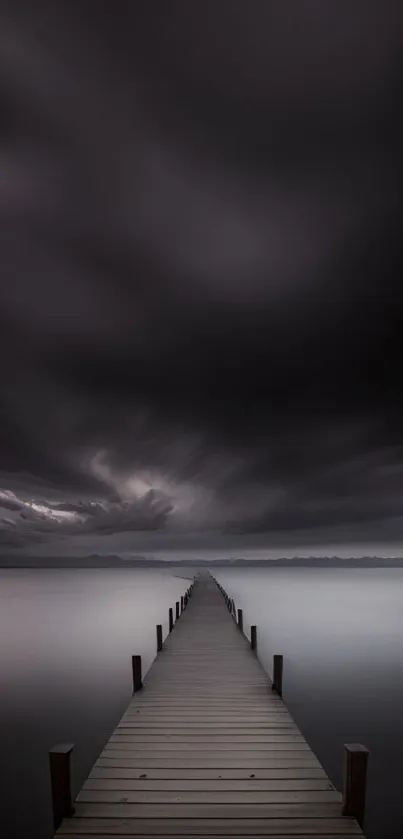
<point x="281" y="562"/>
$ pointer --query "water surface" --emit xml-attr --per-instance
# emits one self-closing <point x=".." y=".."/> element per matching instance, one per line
<point x="341" y="634"/>
<point x="66" y="641"/>
<point x="67" y="636"/>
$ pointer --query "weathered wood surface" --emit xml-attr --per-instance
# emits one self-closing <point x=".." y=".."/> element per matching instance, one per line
<point x="207" y="749"/>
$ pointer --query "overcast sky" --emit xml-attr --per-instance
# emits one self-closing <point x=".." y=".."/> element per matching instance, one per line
<point x="201" y="276"/>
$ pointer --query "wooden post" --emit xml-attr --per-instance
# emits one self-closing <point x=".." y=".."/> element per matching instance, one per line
<point x="355" y="781"/>
<point x="136" y="666"/>
<point x="182" y="604"/>
<point x="171" y="620"/>
<point x="278" y="674"/>
<point x="240" y="619"/>
<point x="253" y="637"/>
<point x="159" y="637"/>
<point x="60" y="779"/>
<point x="177" y="610"/>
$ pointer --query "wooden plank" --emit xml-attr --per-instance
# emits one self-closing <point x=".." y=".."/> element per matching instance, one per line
<point x="261" y="710"/>
<point x="210" y="811"/>
<point x="209" y="714"/>
<point x="204" y="762"/>
<point x="189" y="710"/>
<point x="214" y="785"/>
<point x="216" y="796"/>
<point x="206" y="749"/>
<point x="210" y="827"/>
<point x="236" y="708"/>
<point x="262" y="706"/>
<point x="225" y="705"/>
<point x="206" y="730"/>
<point x="206" y="718"/>
<point x="277" y="773"/>
<point x="188" y="835"/>
<point x="193" y="741"/>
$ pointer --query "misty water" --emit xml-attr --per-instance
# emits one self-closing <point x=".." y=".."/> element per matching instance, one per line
<point x="67" y="636"/>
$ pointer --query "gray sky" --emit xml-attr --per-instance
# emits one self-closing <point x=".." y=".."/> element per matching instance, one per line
<point x="200" y="294"/>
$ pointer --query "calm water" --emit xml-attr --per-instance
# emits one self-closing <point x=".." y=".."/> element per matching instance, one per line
<point x="341" y="634"/>
<point x="66" y="638"/>
<point x="66" y="641"/>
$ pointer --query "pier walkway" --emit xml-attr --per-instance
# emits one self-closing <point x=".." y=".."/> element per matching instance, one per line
<point x="207" y="748"/>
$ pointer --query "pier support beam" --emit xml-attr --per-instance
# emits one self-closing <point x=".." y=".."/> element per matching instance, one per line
<point x="137" y="677"/>
<point x="278" y="674"/>
<point x="355" y="781"/>
<point x="60" y="779"/>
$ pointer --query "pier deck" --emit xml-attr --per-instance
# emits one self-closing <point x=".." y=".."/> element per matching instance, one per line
<point x="207" y="749"/>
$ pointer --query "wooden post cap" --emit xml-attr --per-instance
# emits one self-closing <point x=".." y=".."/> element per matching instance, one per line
<point x="62" y="749"/>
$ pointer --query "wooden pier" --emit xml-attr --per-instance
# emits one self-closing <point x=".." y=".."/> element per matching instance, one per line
<point x="207" y="747"/>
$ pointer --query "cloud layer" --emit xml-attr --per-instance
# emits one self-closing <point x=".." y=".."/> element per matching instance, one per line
<point x="200" y="295"/>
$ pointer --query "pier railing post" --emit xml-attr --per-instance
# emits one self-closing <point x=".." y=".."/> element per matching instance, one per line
<point x="253" y="637"/>
<point x="137" y="677"/>
<point x="277" y="684"/>
<point x="355" y="781"/>
<point x="182" y="604"/>
<point x="171" y="620"/>
<point x="60" y="779"/>
<point x="177" y="610"/>
<point x="159" y="637"/>
<point x="240" y="619"/>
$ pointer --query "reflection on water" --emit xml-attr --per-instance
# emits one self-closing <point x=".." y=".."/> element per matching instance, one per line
<point x="66" y="638"/>
<point x="341" y="634"/>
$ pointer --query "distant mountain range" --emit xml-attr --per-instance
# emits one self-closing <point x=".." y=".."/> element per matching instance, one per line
<point x="136" y="561"/>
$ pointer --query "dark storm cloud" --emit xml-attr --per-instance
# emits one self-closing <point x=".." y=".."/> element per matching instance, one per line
<point x="200" y="304"/>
